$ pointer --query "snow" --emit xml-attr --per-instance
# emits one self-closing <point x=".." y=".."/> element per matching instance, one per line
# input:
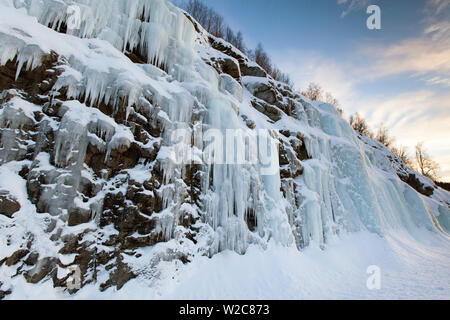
<point x="18" y="105"/>
<point x="26" y="219"/>
<point x="122" y="138"/>
<point x="336" y="273"/>
<point x="140" y="173"/>
<point x="409" y="270"/>
<point x="347" y="211"/>
<point x="79" y="122"/>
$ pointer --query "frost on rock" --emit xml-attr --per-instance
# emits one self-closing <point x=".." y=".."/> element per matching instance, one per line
<point x="87" y="119"/>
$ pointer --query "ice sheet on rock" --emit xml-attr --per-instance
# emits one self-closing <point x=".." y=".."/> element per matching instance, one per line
<point x="99" y="72"/>
<point x="17" y="112"/>
<point x="229" y="85"/>
<point x="16" y="115"/>
<point x="81" y="125"/>
<point x="28" y="226"/>
<point x="94" y="69"/>
<point x="122" y="139"/>
<point x="155" y="29"/>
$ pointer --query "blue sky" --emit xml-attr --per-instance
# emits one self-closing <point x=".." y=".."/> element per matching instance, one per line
<point x="399" y="75"/>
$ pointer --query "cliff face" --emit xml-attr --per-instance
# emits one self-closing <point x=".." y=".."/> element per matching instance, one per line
<point x="93" y="118"/>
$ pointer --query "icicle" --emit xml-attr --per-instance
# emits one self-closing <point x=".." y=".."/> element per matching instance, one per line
<point x="31" y="55"/>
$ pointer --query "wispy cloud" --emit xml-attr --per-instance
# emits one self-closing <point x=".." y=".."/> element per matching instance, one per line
<point x="405" y="109"/>
<point x="427" y="55"/>
<point x="354" y="5"/>
<point x="438" y="81"/>
<point x="411" y="115"/>
<point x="310" y="66"/>
<point x="419" y="56"/>
<point x="436" y="7"/>
<point x="415" y="116"/>
<point x="438" y="30"/>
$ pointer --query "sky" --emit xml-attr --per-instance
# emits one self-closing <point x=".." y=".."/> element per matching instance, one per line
<point x="398" y="75"/>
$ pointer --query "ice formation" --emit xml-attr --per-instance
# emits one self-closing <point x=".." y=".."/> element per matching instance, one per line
<point x="109" y="190"/>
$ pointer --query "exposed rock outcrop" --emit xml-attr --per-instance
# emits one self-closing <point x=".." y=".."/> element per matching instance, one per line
<point x="8" y="205"/>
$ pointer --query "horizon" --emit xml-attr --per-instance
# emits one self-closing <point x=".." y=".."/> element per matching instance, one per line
<point x="389" y="76"/>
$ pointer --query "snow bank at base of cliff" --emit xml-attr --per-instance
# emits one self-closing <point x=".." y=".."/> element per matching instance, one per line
<point x="408" y="270"/>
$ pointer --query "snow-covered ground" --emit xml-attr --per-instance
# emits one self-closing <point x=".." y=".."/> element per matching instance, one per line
<point x="408" y="270"/>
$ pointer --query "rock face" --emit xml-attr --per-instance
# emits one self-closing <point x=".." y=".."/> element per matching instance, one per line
<point x="89" y="150"/>
<point x="8" y="205"/>
<point x="3" y="293"/>
<point x="247" y="67"/>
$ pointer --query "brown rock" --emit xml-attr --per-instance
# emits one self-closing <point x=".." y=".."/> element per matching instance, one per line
<point x="415" y="183"/>
<point x="43" y="268"/>
<point x="34" y="82"/>
<point x="121" y="275"/>
<point x="32" y="259"/>
<point x="228" y="66"/>
<point x="78" y="216"/>
<point x="3" y="294"/>
<point x="270" y="111"/>
<point x="16" y="257"/>
<point x="8" y="205"/>
<point x="252" y="70"/>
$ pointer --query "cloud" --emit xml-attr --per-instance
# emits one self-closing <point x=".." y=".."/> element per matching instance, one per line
<point x="444" y="163"/>
<point x="418" y="56"/>
<point x="311" y="66"/>
<point x="438" y="30"/>
<point x="353" y="5"/>
<point x="438" y="80"/>
<point x="411" y="116"/>
<point x="426" y="55"/>
<point x="436" y="7"/>
<point x="415" y="116"/>
<point x="407" y="109"/>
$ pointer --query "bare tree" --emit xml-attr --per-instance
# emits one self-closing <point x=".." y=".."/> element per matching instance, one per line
<point x="402" y="153"/>
<point x="207" y="17"/>
<point x="313" y="92"/>
<point x="426" y="166"/>
<point x="197" y="10"/>
<point x="360" y="125"/>
<point x="215" y="24"/>
<point x="239" y="42"/>
<point x="329" y="98"/>
<point x="284" y="77"/>
<point x="278" y="75"/>
<point x="384" y="137"/>
<point x="229" y="35"/>
<point x="261" y="58"/>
